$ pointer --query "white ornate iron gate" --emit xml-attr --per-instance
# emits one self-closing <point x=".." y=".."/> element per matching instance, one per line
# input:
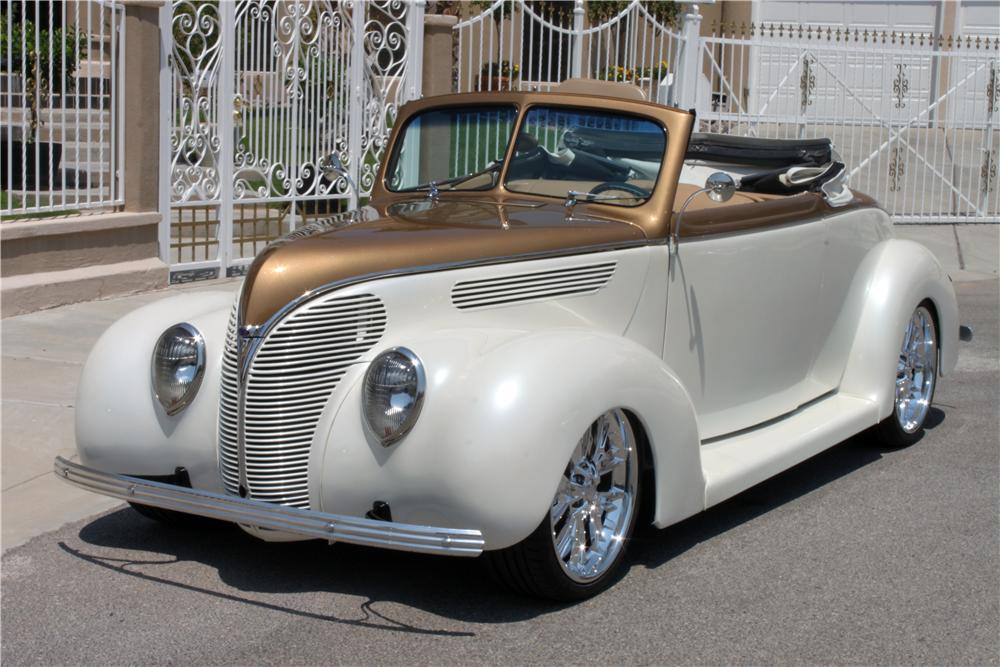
<point x="258" y="93"/>
<point x="525" y="45"/>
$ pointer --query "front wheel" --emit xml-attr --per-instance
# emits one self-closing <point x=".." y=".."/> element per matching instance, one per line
<point x="578" y="549"/>
<point x="916" y="379"/>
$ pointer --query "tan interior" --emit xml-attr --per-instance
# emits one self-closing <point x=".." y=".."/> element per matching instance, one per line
<point x="481" y="182"/>
<point x="685" y="190"/>
<point x="537" y="186"/>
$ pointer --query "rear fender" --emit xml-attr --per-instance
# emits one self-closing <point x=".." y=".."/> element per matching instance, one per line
<point x="892" y="281"/>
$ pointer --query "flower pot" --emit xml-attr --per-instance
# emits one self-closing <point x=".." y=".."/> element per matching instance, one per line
<point x="492" y="83"/>
<point x="29" y="159"/>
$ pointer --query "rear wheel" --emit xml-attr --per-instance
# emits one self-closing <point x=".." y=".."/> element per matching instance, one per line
<point x="578" y="549"/>
<point x="916" y="379"/>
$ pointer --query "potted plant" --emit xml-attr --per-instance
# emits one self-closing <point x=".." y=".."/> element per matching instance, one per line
<point x="619" y="73"/>
<point x="32" y="57"/>
<point x="498" y="75"/>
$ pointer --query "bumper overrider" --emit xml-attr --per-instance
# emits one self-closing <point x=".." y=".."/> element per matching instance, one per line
<point x="331" y="527"/>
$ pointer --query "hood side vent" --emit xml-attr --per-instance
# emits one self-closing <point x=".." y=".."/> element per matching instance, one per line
<point x="535" y="286"/>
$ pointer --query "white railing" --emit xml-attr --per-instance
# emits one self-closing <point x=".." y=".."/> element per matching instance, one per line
<point x="62" y="72"/>
<point x="512" y="46"/>
<point x="914" y="118"/>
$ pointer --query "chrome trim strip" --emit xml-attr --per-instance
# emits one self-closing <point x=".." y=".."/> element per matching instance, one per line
<point x="332" y="527"/>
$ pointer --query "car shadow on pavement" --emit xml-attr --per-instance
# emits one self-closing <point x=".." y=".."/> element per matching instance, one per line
<point x="453" y="588"/>
<point x="651" y="547"/>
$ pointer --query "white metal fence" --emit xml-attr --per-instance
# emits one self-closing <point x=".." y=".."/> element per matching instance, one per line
<point x="61" y="72"/>
<point x="259" y="92"/>
<point x="915" y="118"/>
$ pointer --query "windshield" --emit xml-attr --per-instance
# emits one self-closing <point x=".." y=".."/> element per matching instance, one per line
<point x="595" y="155"/>
<point x="458" y="148"/>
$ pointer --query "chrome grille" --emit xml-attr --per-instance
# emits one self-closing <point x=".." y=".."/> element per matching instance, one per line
<point x="518" y="288"/>
<point x="290" y="379"/>
<point x="229" y="451"/>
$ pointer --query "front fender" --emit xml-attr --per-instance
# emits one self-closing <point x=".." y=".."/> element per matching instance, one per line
<point x="892" y="281"/>
<point x="120" y="426"/>
<point x="499" y="424"/>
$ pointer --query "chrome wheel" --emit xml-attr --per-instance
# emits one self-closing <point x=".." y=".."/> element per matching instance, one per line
<point x="916" y="371"/>
<point x="593" y="506"/>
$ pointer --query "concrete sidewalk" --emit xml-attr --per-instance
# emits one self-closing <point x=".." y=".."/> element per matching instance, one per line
<point x="43" y="355"/>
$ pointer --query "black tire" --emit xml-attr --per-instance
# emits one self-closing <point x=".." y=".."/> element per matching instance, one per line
<point x="890" y="432"/>
<point x="532" y="567"/>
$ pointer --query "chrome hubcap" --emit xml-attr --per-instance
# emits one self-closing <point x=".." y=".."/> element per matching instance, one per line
<point x="593" y="505"/>
<point x="916" y="371"/>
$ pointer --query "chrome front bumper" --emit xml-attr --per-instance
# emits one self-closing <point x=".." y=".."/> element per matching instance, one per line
<point x="331" y="527"/>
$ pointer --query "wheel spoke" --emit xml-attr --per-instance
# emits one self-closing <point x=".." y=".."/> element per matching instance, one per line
<point x="579" y="544"/>
<point x="565" y="539"/>
<point x="563" y="499"/>
<point x="596" y="525"/>
<point x="609" y="464"/>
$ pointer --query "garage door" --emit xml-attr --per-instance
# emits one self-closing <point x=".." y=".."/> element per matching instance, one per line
<point x="873" y="88"/>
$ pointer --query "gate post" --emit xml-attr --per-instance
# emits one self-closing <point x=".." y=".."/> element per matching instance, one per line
<point x="356" y="78"/>
<point x="227" y="92"/>
<point x="576" y="70"/>
<point x="166" y="120"/>
<point x="686" y="87"/>
<point x="415" y="47"/>
<point x="438" y="54"/>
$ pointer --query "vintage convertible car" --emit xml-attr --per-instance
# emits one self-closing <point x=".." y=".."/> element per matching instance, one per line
<point x="541" y="330"/>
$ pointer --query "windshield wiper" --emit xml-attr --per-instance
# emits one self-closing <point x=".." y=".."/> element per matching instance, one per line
<point x="573" y="195"/>
<point x="433" y="186"/>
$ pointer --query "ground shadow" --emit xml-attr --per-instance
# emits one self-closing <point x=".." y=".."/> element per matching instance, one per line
<point x="455" y="588"/>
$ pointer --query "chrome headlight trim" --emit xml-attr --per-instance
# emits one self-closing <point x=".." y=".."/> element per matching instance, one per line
<point x="419" y="388"/>
<point x="174" y="404"/>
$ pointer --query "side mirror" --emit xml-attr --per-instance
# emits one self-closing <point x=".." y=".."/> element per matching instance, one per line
<point x="333" y="168"/>
<point x="720" y="187"/>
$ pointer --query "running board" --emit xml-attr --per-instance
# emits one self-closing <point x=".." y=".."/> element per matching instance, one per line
<point x="734" y="464"/>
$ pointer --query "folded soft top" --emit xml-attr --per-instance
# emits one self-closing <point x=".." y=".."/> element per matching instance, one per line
<point x="758" y="152"/>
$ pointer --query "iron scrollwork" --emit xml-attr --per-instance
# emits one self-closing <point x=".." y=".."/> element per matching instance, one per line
<point x="195" y="142"/>
<point x="385" y="49"/>
<point x="988" y="173"/>
<point x="807" y="82"/>
<point x="900" y="85"/>
<point x="897" y="170"/>
<point x="992" y="89"/>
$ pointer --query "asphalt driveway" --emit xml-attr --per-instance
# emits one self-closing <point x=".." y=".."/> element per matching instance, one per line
<point x="859" y="555"/>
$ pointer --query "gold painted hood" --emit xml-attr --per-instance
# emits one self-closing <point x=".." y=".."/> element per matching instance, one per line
<point x="413" y="235"/>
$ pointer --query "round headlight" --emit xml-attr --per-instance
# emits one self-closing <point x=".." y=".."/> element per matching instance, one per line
<point x="393" y="393"/>
<point x="178" y="364"/>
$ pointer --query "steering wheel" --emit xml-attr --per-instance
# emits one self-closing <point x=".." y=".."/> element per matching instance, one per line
<point x="621" y="186"/>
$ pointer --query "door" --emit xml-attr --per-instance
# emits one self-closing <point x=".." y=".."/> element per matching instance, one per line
<point x="742" y="329"/>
